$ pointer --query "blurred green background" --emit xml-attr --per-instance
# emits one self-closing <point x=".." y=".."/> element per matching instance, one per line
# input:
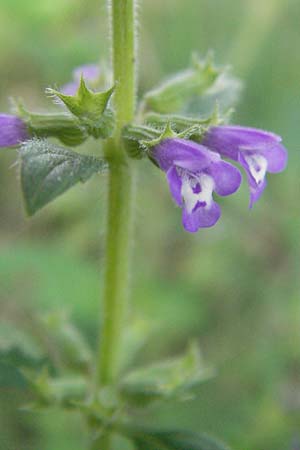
<point x="235" y="288"/>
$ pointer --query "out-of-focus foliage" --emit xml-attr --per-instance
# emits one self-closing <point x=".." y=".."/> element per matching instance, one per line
<point x="234" y="288"/>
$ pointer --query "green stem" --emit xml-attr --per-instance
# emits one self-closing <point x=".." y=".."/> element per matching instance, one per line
<point x="117" y="267"/>
<point x="120" y="200"/>
<point x="124" y="58"/>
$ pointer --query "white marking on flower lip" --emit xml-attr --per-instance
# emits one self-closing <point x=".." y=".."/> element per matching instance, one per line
<point x="257" y="166"/>
<point x="190" y="197"/>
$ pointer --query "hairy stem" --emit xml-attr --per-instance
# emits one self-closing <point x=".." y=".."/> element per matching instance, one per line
<point x="120" y="200"/>
<point x="124" y="58"/>
<point x="119" y="227"/>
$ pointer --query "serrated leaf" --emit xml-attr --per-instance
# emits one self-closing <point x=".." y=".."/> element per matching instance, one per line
<point x="48" y="170"/>
<point x="171" y="379"/>
<point x="147" y="439"/>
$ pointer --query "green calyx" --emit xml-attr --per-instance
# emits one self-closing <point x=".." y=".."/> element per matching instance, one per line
<point x="91" y="109"/>
<point x="176" y="92"/>
<point x="60" y="125"/>
<point x="139" y="139"/>
<point x="181" y="123"/>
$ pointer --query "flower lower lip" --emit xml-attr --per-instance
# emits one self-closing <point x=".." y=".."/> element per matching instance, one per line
<point x="194" y="173"/>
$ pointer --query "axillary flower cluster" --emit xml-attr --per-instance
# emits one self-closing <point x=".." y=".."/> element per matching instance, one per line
<point x="194" y="171"/>
<point x="194" y="168"/>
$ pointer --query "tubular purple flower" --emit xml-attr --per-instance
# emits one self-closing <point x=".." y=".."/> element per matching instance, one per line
<point x="194" y="173"/>
<point x="90" y="73"/>
<point x="13" y="130"/>
<point x="256" y="150"/>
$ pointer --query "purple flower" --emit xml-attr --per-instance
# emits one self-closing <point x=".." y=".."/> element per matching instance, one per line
<point x="90" y="73"/>
<point x="257" y="151"/>
<point x="13" y="130"/>
<point x="193" y="173"/>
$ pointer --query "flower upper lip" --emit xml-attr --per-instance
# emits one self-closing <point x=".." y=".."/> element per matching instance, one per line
<point x="185" y="154"/>
<point x="258" y="151"/>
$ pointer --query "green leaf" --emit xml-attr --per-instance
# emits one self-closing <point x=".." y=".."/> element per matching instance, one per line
<point x="171" y="379"/>
<point x="48" y="170"/>
<point x="172" y="95"/>
<point x="11" y="377"/>
<point x="147" y="439"/>
<point x="65" y="391"/>
<point x="13" y="338"/>
<point x="71" y="347"/>
<point x="17" y="348"/>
